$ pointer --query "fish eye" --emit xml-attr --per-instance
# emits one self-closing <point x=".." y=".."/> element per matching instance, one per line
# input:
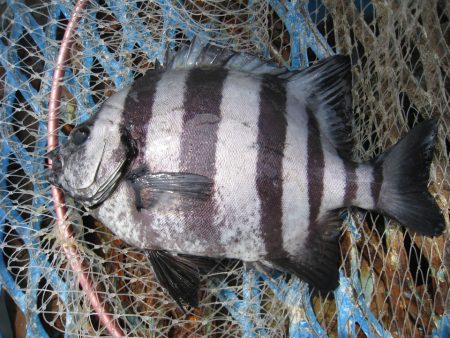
<point x="80" y="135"/>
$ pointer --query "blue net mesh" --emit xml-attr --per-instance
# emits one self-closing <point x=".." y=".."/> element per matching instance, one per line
<point x="392" y="283"/>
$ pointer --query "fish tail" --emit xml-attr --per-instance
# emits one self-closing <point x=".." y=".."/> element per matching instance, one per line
<point x="404" y="174"/>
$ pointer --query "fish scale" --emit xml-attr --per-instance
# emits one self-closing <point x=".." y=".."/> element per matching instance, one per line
<point x="224" y="156"/>
<point x="236" y="163"/>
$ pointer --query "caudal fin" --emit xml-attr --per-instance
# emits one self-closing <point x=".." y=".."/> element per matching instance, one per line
<point x="404" y="194"/>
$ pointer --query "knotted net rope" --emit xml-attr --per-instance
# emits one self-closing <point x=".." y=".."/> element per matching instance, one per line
<point x="393" y="283"/>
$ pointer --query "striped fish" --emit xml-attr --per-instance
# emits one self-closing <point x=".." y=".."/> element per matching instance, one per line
<point x="217" y="154"/>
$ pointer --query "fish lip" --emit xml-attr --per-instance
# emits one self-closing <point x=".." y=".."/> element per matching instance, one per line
<point x="53" y="177"/>
<point x="52" y="154"/>
<point x="54" y="171"/>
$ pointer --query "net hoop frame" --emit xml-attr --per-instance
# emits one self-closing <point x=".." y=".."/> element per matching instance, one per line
<point x="355" y="312"/>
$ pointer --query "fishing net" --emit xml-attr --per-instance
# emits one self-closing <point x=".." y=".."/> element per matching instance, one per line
<point x="392" y="283"/>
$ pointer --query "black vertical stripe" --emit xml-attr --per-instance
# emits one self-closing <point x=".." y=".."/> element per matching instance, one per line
<point x="272" y="125"/>
<point x="201" y="119"/>
<point x="351" y="182"/>
<point x="138" y="109"/>
<point x="315" y="166"/>
<point x="377" y="180"/>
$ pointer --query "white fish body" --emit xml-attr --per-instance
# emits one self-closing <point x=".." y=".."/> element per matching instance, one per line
<point x="228" y="157"/>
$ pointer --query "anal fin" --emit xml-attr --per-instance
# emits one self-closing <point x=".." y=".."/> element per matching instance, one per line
<point x="317" y="262"/>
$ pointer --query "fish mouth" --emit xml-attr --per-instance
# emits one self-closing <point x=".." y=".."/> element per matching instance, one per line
<point x="52" y="178"/>
<point x="90" y="195"/>
<point x="56" y="165"/>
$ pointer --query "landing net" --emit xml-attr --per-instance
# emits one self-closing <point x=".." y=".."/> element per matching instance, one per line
<point x="393" y="283"/>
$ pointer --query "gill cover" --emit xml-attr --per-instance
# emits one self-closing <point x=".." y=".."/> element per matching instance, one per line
<point x="90" y="164"/>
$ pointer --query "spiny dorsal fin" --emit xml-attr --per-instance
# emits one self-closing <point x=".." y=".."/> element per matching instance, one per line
<point x="326" y="86"/>
<point x="200" y="54"/>
<point x="328" y="96"/>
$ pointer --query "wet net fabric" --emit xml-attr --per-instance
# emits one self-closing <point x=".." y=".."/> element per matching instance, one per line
<point x="393" y="283"/>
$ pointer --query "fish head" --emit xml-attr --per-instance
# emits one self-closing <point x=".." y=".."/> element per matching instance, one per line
<point x="91" y="163"/>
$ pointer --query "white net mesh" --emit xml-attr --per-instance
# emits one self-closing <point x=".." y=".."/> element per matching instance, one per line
<point x="393" y="283"/>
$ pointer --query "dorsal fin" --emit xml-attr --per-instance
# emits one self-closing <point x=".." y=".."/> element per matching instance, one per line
<point x="326" y="86"/>
<point x="200" y="54"/>
<point x="328" y="95"/>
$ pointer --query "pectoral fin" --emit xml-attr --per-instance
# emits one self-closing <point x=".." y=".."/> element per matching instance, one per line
<point x="149" y="187"/>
